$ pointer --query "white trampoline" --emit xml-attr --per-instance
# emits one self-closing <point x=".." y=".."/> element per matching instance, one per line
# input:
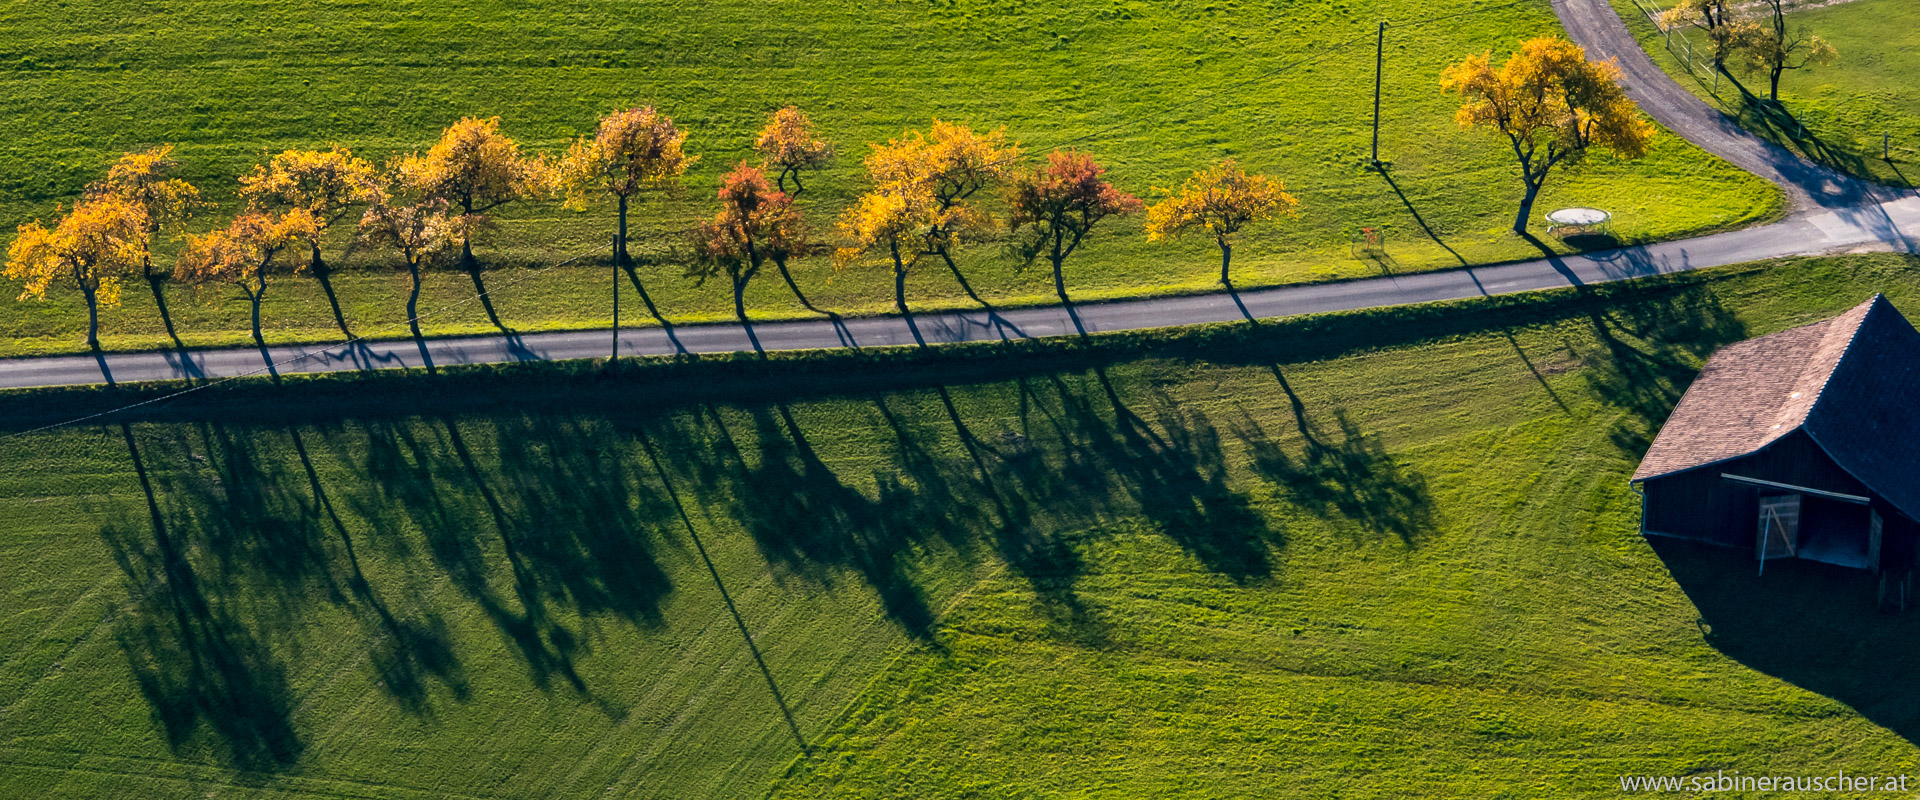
<point x="1579" y="219"/>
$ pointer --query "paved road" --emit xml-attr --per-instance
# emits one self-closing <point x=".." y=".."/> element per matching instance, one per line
<point x="1875" y="226"/>
<point x="1594" y="25"/>
<point x="1833" y="214"/>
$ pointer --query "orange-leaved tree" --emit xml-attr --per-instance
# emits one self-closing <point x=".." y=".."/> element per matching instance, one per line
<point x="1552" y="105"/>
<point x="756" y="222"/>
<point x="632" y="151"/>
<point x="1220" y="201"/>
<point x="1058" y="205"/>
<point x="242" y="253"/>
<point x="788" y="146"/>
<point x="475" y="168"/>
<point x="417" y="228"/>
<point x="93" y="248"/>
<point x="327" y="184"/>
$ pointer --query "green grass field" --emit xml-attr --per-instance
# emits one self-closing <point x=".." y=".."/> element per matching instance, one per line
<point x="1848" y="106"/>
<point x="1154" y="90"/>
<point x="1389" y="554"/>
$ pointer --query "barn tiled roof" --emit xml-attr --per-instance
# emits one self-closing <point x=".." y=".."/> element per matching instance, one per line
<point x="1852" y="382"/>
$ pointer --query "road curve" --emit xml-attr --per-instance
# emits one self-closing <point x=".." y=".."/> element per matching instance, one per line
<point x="1834" y="213"/>
<point x="1594" y="25"/>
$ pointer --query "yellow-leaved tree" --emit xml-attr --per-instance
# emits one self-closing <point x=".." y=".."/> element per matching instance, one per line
<point x="1552" y="105"/>
<point x="891" y="218"/>
<point x="475" y="168"/>
<point x="1220" y="201"/>
<point x="93" y="248"/>
<point x="630" y="152"/>
<point x="146" y="179"/>
<point x="788" y="146"/>
<point x="326" y="184"/>
<point x="1772" y="47"/>
<point x="1725" y="33"/>
<point x="243" y="253"/>
<point x="930" y="177"/>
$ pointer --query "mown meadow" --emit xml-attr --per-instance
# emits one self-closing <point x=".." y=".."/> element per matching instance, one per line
<point x="1380" y="554"/>
<point x="1153" y="90"/>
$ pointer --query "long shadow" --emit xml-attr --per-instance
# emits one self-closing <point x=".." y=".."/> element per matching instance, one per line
<point x="820" y="526"/>
<point x="686" y="522"/>
<point x="1649" y="352"/>
<point x="324" y="276"/>
<point x="408" y="652"/>
<point x="633" y="276"/>
<point x="1809" y="624"/>
<point x="204" y="673"/>
<point x="1349" y="476"/>
<point x="472" y="267"/>
<point x="1419" y="218"/>
<point x="1176" y="476"/>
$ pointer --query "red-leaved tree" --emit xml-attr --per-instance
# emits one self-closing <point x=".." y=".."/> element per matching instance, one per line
<point x="1057" y="206"/>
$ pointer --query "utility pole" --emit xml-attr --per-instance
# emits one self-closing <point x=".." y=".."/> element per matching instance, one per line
<point x="618" y="252"/>
<point x="1379" y="63"/>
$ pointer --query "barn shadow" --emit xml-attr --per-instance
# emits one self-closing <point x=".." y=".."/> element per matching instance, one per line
<point x="1812" y="625"/>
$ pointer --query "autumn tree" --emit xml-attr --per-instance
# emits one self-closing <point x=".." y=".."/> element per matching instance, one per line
<point x="1725" y="33"/>
<point x="890" y="218"/>
<point x="756" y="223"/>
<point x="1772" y="48"/>
<point x="1552" y="105"/>
<point x="93" y="248"/>
<point x="475" y="168"/>
<point x="949" y="165"/>
<point x="788" y="147"/>
<point x="1058" y="205"/>
<point x="632" y="151"/>
<point x="1220" y="201"/>
<point x="145" y="179"/>
<point x="326" y="184"/>
<point x="415" y="227"/>
<point x="243" y="253"/>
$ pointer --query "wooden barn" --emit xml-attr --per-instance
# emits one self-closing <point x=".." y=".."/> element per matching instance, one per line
<point x="1801" y="444"/>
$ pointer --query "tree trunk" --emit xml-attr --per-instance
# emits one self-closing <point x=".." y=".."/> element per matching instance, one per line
<point x="899" y="278"/>
<point x="1226" y="261"/>
<point x="1059" y="280"/>
<point x="93" y="319"/>
<point x="620" y="252"/>
<point x="413" y="299"/>
<point x="1773" y="86"/>
<point x="255" y="297"/>
<point x="1526" y="206"/>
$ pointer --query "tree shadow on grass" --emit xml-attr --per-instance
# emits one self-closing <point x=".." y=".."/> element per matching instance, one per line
<point x="1812" y="625"/>
<point x="808" y="521"/>
<point x="1342" y="474"/>
<point x="1649" y="350"/>
<point x="204" y="672"/>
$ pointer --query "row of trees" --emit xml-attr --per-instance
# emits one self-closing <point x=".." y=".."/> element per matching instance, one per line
<point x="1758" y="43"/>
<point x="924" y="201"/>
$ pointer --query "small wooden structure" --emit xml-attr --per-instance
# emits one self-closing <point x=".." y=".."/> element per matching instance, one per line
<point x="1801" y="444"/>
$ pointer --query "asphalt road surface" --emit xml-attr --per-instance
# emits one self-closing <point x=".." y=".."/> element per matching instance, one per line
<point x="1833" y="213"/>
